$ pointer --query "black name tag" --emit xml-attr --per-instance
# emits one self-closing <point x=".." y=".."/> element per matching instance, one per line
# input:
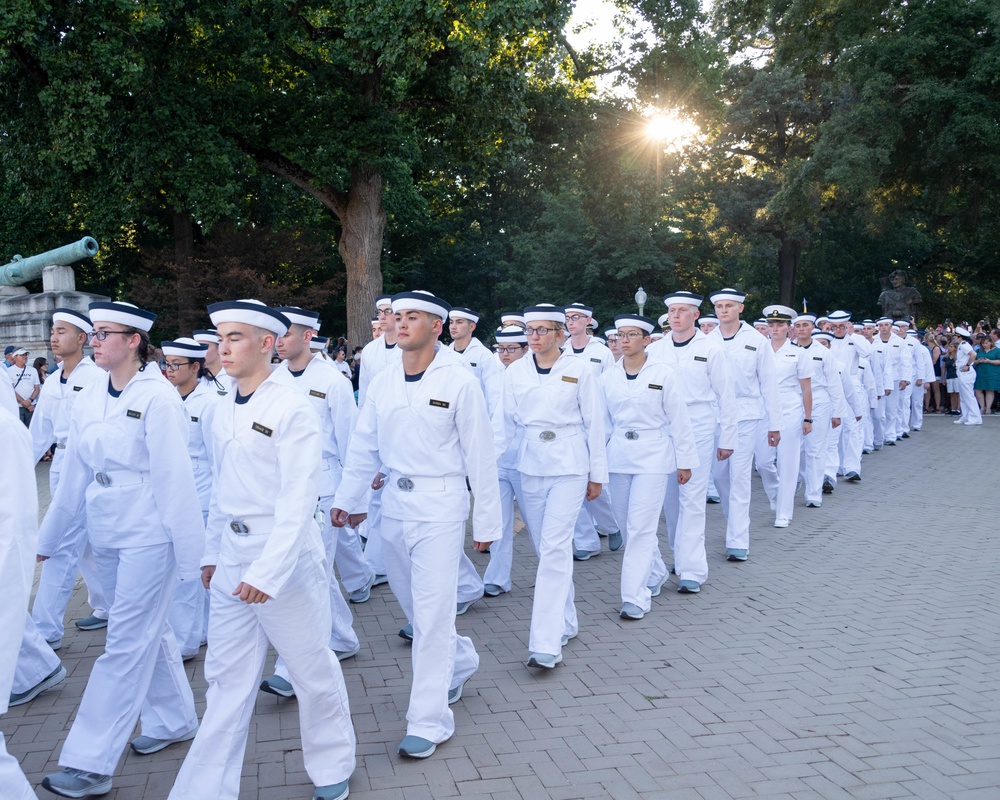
<point x="472" y="364"/>
<point x="568" y="379"/>
<point x="596" y="360"/>
<point x="656" y="386"/>
<point x="750" y="347"/>
<point x="701" y="358"/>
<point x="77" y="388"/>
<point x="817" y="358"/>
<point x="194" y="419"/>
<point x="134" y="414"/>
<point x="320" y="395"/>
<point x="440" y="404"/>
<point x="262" y="429"/>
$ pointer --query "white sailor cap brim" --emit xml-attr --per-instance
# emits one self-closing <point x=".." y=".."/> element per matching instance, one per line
<point x="804" y="318"/>
<point x="635" y="321"/>
<point x="122" y="314"/>
<point x="963" y="332"/>
<point x="727" y="294"/>
<point x="513" y="334"/>
<point x="184" y="348"/>
<point x="823" y="335"/>
<point x="463" y="313"/>
<point x="318" y="342"/>
<point x="609" y="332"/>
<point x="682" y="298"/>
<point x="508" y="318"/>
<point x="839" y="316"/>
<point x="880" y="320"/>
<point x="580" y="308"/>
<point x="905" y="322"/>
<point x="207" y="336"/>
<point x="544" y="312"/>
<point x="420" y="301"/>
<point x="249" y="312"/>
<point x="779" y="313"/>
<point x="708" y="319"/>
<point x="300" y="316"/>
<point x="383" y="301"/>
<point x="71" y="317"/>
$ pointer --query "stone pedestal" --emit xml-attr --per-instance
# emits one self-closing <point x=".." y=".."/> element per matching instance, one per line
<point x="25" y="319"/>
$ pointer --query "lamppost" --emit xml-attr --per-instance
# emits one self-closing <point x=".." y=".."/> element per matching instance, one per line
<point x="640" y="299"/>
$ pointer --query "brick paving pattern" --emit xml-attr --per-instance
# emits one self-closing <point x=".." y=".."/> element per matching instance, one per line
<point x="853" y="656"/>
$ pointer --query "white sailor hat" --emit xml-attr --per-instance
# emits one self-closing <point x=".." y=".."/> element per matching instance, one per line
<point x="609" y="332"/>
<point x="655" y="336"/>
<point x="858" y="327"/>
<point x="905" y="322"/>
<point x="511" y="316"/>
<point x="663" y="319"/>
<point x="463" y="313"/>
<point x="822" y="319"/>
<point x="709" y="319"/>
<point x="383" y="301"/>
<point x="122" y="314"/>
<point x="581" y="308"/>
<point x="682" y="298"/>
<point x="880" y="320"/>
<point x="635" y="321"/>
<point x="419" y="300"/>
<point x="250" y="312"/>
<point x="374" y="320"/>
<point x="543" y="312"/>
<point x="965" y="333"/>
<point x="839" y="316"/>
<point x="727" y="294"/>
<point x="206" y="336"/>
<point x="778" y="314"/>
<point x="599" y="339"/>
<point x="71" y="317"/>
<point x="804" y="318"/>
<point x="318" y="342"/>
<point x="512" y="333"/>
<point x="300" y="316"/>
<point x="911" y="332"/>
<point x="593" y="323"/>
<point x="184" y="348"/>
<point x="823" y="335"/>
<point x="868" y="323"/>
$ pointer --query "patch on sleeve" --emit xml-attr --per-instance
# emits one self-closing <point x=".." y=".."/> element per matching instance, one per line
<point x="262" y="429"/>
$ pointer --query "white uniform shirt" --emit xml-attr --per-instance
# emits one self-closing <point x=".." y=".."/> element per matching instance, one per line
<point x="434" y="432"/>
<point x="199" y="406"/>
<point x="907" y="370"/>
<point x="884" y="365"/>
<point x="222" y="383"/>
<point x="648" y="426"/>
<point x="751" y="369"/>
<point x="376" y="356"/>
<point x="791" y="365"/>
<point x="51" y="420"/>
<point x="826" y="383"/>
<point x="594" y="353"/>
<point x="333" y="400"/>
<point x="560" y="416"/>
<point x="8" y="399"/>
<point x="704" y="376"/>
<point x="925" y="363"/>
<point x="139" y="442"/>
<point x="487" y="369"/>
<point x="267" y="457"/>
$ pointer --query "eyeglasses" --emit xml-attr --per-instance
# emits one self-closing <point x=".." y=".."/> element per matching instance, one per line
<point x="575" y="317"/>
<point x="513" y="348"/>
<point x="102" y="335"/>
<point x="538" y="331"/>
<point x="632" y="335"/>
<point x="174" y="367"/>
<point x="384" y="312"/>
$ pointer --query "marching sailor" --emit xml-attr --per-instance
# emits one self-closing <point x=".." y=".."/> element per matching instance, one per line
<point x="424" y="426"/>
<point x="844" y="456"/>
<point x="214" y="373"/>
<point x="650" y="440"/>
<point x="265" y="565"/>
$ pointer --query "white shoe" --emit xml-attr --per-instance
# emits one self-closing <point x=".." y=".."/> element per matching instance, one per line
<point x="781" y="522"/>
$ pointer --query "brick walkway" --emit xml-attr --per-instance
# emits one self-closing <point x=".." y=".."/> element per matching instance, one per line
<point x="854" y="656"/>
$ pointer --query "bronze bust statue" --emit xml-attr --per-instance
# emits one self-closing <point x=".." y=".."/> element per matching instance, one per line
<point x="900" y="301"/>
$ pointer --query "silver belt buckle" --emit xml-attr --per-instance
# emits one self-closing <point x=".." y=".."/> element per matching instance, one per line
<point x="60" y="445"/>
<point x="103" y="479"/>
<point x="239" y="527"/>
<point x="631" y="435"/>
<point x="547" y="436"/>
<point x="405" y="484"/>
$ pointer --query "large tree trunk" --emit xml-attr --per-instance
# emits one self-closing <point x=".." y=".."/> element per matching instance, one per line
<point x="788" y="264"/>
<point x="363" y="222"/>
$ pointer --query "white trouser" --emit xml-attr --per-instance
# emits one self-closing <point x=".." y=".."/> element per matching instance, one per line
<point x="967" y="396"/>
<point x="595" y="514"/>
<point x="140" y="669"/>
<point x="636" y="503"/>
<point x="187" y="614"/>
<point x="502" y="552"/>
<point x="878" y="420"/>
<point x="15" y="785"/>
<point x="903" y="411"/>
<point x="779" y="467"/>
<point x="814" y="449"/>
<point x="422" y="562"/>
<point x="868" y="423"/>
<point x="355" y="571"/>
<point x="733" y="479"/>
<point x="917" y="406"/>
<point x="891" y="426"/>
<point x="35" y="659"/>
<point x="374" y="554"/>
<point x="470" y="583"/>
<point x="550" y="507"/>
<point x="297" y="623"/>
<point x="684" y="511"/>
<point x="58" y="576"/>
<point x="840" y="449"/>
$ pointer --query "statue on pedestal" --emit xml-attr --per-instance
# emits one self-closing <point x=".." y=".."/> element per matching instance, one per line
<point x="899" y="301"/>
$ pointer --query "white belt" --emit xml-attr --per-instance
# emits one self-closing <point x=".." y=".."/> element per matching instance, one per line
<point x="424" y="483"/>
<point x="120" y="477"/>
<point x="639" y="433"/>
<point x="533" y="432"/>
<point x="259" y="525"/>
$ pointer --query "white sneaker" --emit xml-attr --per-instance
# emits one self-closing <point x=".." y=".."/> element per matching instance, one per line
<point x="781" y="522"/>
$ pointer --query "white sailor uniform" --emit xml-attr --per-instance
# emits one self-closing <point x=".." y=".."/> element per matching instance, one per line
<point x="262" y="531"/>
<point x="971" y="414"/>
<point x="650" y="437"/>
<point x="886" y="386"/>
<point x="560" y="417"/>
<point x="127" y="462"/>
<point x="828" y="402"/>
<point x="426" y="436"/>
<point x="925" y="373"/>
<point x="843" y="454"/>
